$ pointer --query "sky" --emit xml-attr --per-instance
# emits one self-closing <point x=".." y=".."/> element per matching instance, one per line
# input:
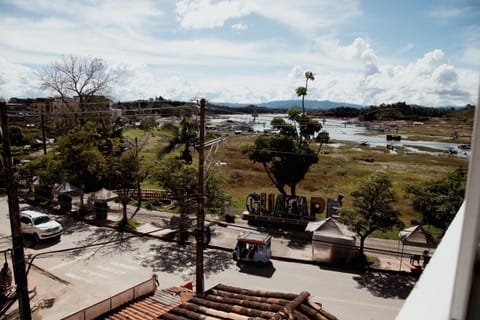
<point x="252" y="51"/>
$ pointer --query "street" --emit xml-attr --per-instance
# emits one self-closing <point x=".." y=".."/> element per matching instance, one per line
<point x="107" y="262"/>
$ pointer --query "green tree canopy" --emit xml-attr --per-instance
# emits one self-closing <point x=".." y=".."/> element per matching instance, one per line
<point x="125" y="174"/>
<point x="186" y="133"/>
<point x="373" y="209"/>
<point x="19" y="136"/>
<point x="47" y="167"/>
<point x="180" y="179"/>
<point x="438" y="201"/>
<point x="287" y="156"/>
<point x="79" y="157"/>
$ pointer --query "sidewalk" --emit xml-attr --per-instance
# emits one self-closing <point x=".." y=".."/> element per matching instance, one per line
<point x="283" y="248"/>
<point x="157" y="224"/>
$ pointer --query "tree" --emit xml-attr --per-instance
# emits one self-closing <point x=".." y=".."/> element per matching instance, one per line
<point x="322" y="138"/>
<point x="18" y="136"/>
<point x="47" y="167"/>
<point x="81" y="78"/>
<point x="81" y="157"/>
<point x="126" y="176"/>
<point x="180" y="179"/>
<point x="302" y="91"/>
<point x="373" y="208"/>
<point x="287" y="155"/>
<point x="439" y="200"/>
<point x="185" y="134"/>
<point x="216" y="197"/>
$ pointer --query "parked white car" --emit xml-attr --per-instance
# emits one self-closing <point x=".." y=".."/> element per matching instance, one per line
<point x="39" y="225"/>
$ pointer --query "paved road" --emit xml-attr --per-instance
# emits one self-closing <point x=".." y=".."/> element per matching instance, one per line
<point x="79" y="278"/>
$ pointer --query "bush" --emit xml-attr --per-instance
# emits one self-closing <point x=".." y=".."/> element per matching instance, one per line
<point x="148" y="204"/>
<point x="128" y="224"/>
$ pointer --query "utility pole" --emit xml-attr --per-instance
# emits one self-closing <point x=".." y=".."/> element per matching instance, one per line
<point x="200" y="214"/>
<point x="44" y="138"/>
<point x="14" y="212"/>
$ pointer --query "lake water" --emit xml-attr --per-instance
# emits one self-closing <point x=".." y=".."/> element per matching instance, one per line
<point x="340" y="131"/>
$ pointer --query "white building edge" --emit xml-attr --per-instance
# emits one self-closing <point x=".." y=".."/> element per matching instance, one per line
<point x="449" y="287"/>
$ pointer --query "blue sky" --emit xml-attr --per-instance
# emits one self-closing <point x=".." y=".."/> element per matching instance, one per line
<point x="364" y="52"/>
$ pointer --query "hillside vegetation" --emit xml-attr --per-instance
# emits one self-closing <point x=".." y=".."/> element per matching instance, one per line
<point x="340" y="168"/>
<point x="403" y="111"/>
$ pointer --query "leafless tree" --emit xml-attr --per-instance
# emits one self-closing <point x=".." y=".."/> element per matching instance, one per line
<point x="81" y="78"/>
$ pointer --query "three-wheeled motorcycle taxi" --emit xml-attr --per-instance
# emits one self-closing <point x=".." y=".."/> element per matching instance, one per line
<point x="253" y="246"/>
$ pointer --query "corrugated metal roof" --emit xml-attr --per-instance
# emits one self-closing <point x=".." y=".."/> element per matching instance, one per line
<point x="165" y="297"/>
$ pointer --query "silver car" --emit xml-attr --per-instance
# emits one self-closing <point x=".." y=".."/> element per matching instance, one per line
<point x="39" y="225"/>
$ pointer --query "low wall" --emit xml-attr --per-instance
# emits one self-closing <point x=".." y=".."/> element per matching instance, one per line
<point x="107" y="305"/>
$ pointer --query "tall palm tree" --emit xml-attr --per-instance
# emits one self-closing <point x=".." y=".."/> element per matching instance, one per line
<point x="302" y="91"/>
<point x="185" y="133"/>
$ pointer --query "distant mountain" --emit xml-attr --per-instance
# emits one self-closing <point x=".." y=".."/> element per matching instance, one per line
<point x="285" y="104"/>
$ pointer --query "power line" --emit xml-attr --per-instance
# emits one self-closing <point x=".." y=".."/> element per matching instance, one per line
<point x="33" y="257"/>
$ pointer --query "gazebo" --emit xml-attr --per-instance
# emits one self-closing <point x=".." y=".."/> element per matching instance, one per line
<point x="415" y="236"/>
<point x="67" y="188"/>
<point x="105" y="195"/>
<point x="64" y="192"/>
<point x="100" y="201"/>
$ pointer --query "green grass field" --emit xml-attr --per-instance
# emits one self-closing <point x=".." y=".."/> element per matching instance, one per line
<point x="340" y="169"/>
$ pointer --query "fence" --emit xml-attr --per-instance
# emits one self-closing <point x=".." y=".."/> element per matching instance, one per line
<point x="107" y="305"/>
<point x="160" y="195"/>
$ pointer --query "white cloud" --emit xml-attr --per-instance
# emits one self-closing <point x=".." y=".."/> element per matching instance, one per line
<point x="407" y="47"/>
<point x="18" y="81"/>
<point x="429" y="81"/>
<point x="472" y="56"/>
<point x="446" y="13"/>
<point x="436" y="84"/>
<point x="29" y="39"/>
<point x="200" y="14"/>
<point x="240" y="26"/>
<point x="122" y="14"/>
<point x="444" y="75"/>
<point x="366" y="55"/>
<point x="182" y="63"/>
<point x="429" y="62"/>
<point x="306" y="16"/>
<point x="348" y="57"/>
<point x="108" y="29"/>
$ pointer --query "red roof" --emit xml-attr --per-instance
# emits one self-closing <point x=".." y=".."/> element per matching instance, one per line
<point x="153" y="306"/>
<point x="219" y="303"/>
<point x="226" y="302"/>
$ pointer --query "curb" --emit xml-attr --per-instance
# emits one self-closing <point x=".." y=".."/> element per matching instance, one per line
<point x="279" y="258"/>
<point x="49" y="274"/>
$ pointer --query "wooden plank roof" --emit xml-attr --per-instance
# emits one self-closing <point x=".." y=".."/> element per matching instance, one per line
<point x="227" y="302"/>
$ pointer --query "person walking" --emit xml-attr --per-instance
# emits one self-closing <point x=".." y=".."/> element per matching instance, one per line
<point x="5" y="281"/>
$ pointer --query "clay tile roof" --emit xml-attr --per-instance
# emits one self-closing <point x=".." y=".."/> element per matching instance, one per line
<point x="151" y="307"/>
<point x="226" y="302"/>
